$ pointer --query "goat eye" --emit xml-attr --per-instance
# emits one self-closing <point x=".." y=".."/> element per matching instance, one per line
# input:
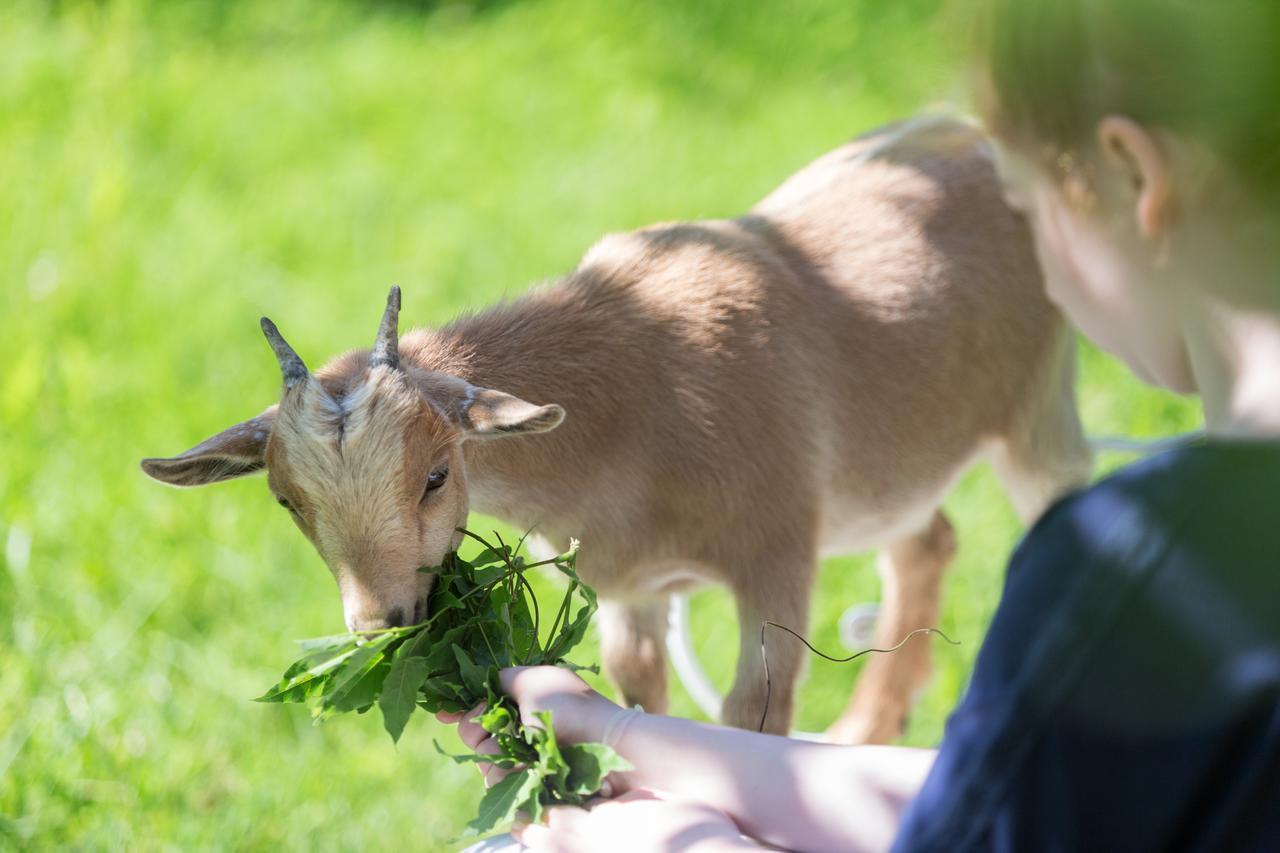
<point x="435" y="480"/>
<point x="284" y="502"/>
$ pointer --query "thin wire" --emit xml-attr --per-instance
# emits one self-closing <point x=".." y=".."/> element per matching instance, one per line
<point x="764" y="657"/>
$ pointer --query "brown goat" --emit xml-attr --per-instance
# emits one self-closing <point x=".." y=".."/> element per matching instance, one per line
<point x="742" y="397"/>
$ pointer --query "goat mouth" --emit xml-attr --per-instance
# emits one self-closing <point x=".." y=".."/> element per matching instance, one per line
<point x="419" y="611"/>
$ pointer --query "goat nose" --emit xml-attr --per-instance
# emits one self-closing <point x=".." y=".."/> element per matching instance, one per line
<point x="393" y="618"/>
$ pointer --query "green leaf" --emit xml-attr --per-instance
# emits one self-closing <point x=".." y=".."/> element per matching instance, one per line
<point x="489" y="574"/>
<point x="496" y="718"/>
<point x="504" y="761"/>
<point x="500" y="803"/>
<point x="400" y="690"/>
<point x="518" y="746"/>
<point x="365" y="659"/>
<point x="294" y="688"/>
<point x="524" y="639"/>
<point x="499" y="596"/>
<point x="436" y="704"/>
<point x="482" y="618"/>
<point x="594" y="668"/>
<point x="438" y="649"/>
<point x="364" y="693"/>
<point x="445" y="600"/>
<point x="489" y="556"/>
<point x="551" y="763"/>
<point x="571" y="634"/>
<point x="493" y="651"/>
<point x="473" y="677"/>
<point x="447" y="684"/>
<point x="438" y="694"/>
<point x="335" y="641"/>
<point x="589" y="764"/>
<point x="458" y="585"/>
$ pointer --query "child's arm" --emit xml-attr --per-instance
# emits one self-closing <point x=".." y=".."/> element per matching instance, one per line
<point x="794" y="794"/>
<point x="789" y="793"/>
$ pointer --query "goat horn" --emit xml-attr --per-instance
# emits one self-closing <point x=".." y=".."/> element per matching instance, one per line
<point x="386" y="349"/>
<point x="291" y="365"/>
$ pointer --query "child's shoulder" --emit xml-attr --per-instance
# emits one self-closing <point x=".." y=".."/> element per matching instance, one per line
<point x="1208" y="479"/>
<point x="1204" y="460"/>
<point x="1147" y="559"/>
<point x="1211" y="509"/>
<point x="1139" y="636"/>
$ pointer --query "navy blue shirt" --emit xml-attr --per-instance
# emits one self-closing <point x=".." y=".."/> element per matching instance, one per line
<point x="1127" y="696"/>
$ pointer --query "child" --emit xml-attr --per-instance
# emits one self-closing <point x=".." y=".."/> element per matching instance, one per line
<point x="1127" y="695"/>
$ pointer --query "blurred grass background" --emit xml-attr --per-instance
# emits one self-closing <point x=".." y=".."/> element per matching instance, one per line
<point x="173" y="170"/>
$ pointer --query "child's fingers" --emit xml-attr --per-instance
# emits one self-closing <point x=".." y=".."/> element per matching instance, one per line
<point x="533" y="836"/>
<point x="556" y="835"/>
<point x="491" y="773"/>
<point x="509" y="676"/>
<point x="488" y="746"/>
<point x="639" y="794"/>
<point x="467" y="730"/>
<point x="566" y="819"/>
<point x="471" y="732"/>
<point x="479" y="741"/>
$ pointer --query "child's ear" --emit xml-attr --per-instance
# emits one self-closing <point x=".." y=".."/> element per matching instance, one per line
<point x="234" y="452"/>
<point x="488" y="413"/>
<point x="1133" y="148"/>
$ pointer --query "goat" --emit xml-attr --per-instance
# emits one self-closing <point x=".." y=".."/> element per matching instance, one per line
<point x="742" y="396"/>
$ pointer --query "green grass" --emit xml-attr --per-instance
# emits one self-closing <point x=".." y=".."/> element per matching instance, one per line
<point x="174" y="170"/>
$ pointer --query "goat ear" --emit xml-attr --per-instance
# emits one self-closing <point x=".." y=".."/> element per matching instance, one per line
<point x="234" y="452"/>
<point x="487" y="413"/>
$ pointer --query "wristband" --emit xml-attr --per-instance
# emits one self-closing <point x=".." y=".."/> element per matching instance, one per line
<point x="618" y="724"/>
<point x="613" y="732"/>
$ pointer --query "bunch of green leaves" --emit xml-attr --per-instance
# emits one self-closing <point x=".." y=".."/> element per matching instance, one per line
<point x="484" y="616"/>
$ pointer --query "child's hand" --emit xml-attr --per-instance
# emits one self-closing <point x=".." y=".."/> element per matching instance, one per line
<point x="638" y="820"/>
<point x="578" y="713"/>
<point x="478" y="741"/>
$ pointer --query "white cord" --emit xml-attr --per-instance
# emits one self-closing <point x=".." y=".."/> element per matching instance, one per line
<point x="685" y="660"/>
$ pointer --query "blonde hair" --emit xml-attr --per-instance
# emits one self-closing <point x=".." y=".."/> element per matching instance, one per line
<point x="1207" y="69"/>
